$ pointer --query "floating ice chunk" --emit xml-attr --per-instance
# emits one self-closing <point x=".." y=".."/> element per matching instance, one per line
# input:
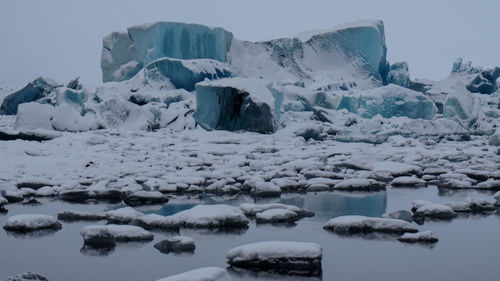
<point x="238" y="104"/>
<point x="400" y="215"/>
<point x="455" y="181"/>
<point x="28" y="222"/>
<point x="154" y="221"/>
<point x="184" y="74"/>
<point x="106" y="235"/>
<point x="492" y="184"/>
<point x="406" y="181"/>
<point x="279" y="256"/>
<point x="399" y="75"/>
<point x="395" y="168"/>
<point x="123" y="215"/>
<point x="359" y="184"/>
<point x="80" y="216"/>
<point x="200" y="274"/>
<point x="355" y="224"/>
<point x="176" y="244"/>
<point x="207" y="216"/>
<point x="74" y="195"/>
<point x="497" y="197"/>
<point x="461" y="106"/>
<point x="265" y="189"/>
<point x="481" y="205"/>
<point x="145" y="198"/>
<point x="251" y="209"/>
<point x="277" y="216"/>
<point x="437" y="211"/>
<point x="389" y="101"/>
<point x="27" y="276"/>
<point x="35" y="90"/>
<point x="33" y="115"/>
<point x="125" y="53"/>
<point x="419" y="237"/>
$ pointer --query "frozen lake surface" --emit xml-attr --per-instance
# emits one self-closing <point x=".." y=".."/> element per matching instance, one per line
<point x="468" y="247"/>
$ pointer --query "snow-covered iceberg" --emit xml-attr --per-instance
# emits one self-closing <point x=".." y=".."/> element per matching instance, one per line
<point x="355" y="224"/>
<point x="235" y="104"/>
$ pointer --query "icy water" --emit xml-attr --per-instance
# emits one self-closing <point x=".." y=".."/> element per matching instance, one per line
<point x="469" y="246"/>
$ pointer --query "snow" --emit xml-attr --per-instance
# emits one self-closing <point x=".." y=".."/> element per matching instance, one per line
<point x="251" y="209"/>
<point x="352" y="224"/>
<point x="389" y="101"/>
<point x="277" y="216"/>
<point x="200" y="274"/>
<point x="31" y="222"/>
<point x="238" y="104"/>
<point x="145" y="197"/>
<point x="123" y="215"/>
<point x="206" y="216"/>
<point x="419" y="237"/>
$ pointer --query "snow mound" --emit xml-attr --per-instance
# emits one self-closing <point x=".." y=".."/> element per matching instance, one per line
<point x="28" y="222"/>
<point x="200" y="274"/>
<point x="355" y="224"/>
<point x="278" y="256"/>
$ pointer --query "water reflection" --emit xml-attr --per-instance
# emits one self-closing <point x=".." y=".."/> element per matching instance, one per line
<point x="32" y="234"/>
<point x="246" y="274"/>
<point x="96" y="252"/>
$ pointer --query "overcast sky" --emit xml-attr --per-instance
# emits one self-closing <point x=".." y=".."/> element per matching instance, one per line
<point x="61" y="39"/>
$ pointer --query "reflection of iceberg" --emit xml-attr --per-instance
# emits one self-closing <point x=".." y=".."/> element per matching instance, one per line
<point x="334" y="204"/>
<point x="246" y="274"/>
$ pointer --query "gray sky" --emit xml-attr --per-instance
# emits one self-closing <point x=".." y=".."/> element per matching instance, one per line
<point x="61" y="39"/>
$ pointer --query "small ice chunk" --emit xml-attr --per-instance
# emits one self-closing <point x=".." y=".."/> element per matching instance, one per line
<point x="400" y="215"/>
<point x="251" y="209"/>
<point x="481" y="205"/>
<point x="207" y="216"/>
<point x="154" y="221"/>
<point x="406" y="181"/>
<point x="145" y="197"/>
<point x="107" y="235"/>
<point x="280" y="256"/>
<point x="74" y="195"/>
<point x="265" y="189"/>
<point x="359" y="184"/>
<point x="200" y="274"/>
<point x="277" y="216"/>
<point x="355" y="224"/>
<point x="176" y="244"/>
<point x="29" y="222"/>
<point x="419" y="237"/>
<point x="80" y="216"/>
<point x="46" y="191"/>
<point x="27" y="276"/>
<point x="462" y="207"/>
<point x="123" y="215"/>
<point x="437" y="211"/>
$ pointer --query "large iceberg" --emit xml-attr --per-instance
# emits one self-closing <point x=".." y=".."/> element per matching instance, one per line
<point x="125" y="53"/>
<point x="389" y="101"/>
<point x="238" y="104"/>
<point x="35" y="90"/>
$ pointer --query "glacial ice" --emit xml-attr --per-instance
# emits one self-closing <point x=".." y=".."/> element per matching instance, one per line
<point x="399" y="75"/>
<point x="125" y="53"/>
<point x="35" y="90"/>
<point x="485" y="82"/>
<point x="389" y="101"/>
<point x="461" y="106"/>
<point x="238" y="104"/>
<point x="184" y="74"/>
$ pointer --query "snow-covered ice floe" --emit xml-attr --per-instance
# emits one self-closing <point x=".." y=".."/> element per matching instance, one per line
<point x="107" y="235"/>
<point x="208" y="216"/>
<point x="176" y="244"/>
<point x="357" y="224"/>
<point x="277" y="216"/>
<point x="359" y="184"/>
<point x="283" y="257"/>
<point x="200" y="274"/>
<point x="251" y="209"/>
<point x="419" y="237"/>
<point x="426" y="209"/>
<point x="31" y="222"/>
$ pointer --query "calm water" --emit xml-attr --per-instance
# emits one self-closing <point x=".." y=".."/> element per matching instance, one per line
<point x="469" y="247"/>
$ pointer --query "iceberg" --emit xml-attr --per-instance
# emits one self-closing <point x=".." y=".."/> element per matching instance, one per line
<point x="461" y="106"/>
<point x="389" y="101"/>
<point x="124" y="54"/>
<point x="485" y="82"/>
<point x="235" y="104"/>
<point x="184" y="74"/>
<point x="399" y="75"/>
<point x="35" y="90"/>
